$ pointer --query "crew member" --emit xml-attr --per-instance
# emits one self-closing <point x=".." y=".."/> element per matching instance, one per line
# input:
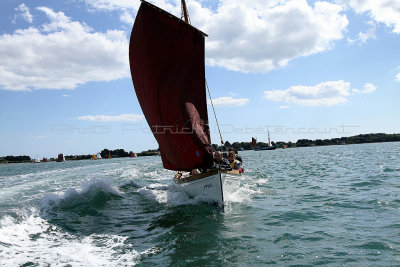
<point x="235" y="164"/>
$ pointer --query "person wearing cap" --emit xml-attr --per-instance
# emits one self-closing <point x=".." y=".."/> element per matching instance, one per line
<point x="235" y="164"/>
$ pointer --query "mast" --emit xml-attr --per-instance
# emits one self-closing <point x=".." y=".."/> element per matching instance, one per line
<point x="185" y="13"/>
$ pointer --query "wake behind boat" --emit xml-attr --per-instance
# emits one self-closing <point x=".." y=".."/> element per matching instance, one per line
<point x="166" y="57"/>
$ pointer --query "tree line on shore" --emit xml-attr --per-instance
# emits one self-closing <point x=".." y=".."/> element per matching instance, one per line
<point x="15" y="159"/>
<point x="357" y="139"/>
<point x="121" y="153"/>
<point x="116" y="153"/>
<point x="105" y="153"/>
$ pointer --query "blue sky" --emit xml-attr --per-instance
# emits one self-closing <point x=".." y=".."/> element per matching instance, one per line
<point x="305" y="69"/>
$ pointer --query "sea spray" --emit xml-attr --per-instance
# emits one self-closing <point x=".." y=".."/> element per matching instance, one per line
<point x="34" y="241"/>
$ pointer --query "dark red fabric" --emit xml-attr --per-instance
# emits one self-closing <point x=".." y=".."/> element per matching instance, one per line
<point x="253" y="141"/>
<point x="167" y="67"/>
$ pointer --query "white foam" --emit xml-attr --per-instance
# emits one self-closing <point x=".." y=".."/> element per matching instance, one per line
<point x="123" y="172"/>
<point x="159" y="196"/>
<point x="100" y="184"/>
<point x="158" y="186"/>
<point x="130" y="173"/>
<point x="35" y="240"/>
<point x="160" y="174"/>
<point x="262" y="181"/>
<point x="6" y="221"/>
<point x="167" y="194"/>
<point x="241" y="194"/>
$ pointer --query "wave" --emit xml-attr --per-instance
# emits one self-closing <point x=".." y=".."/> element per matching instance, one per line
<point x="34" y="241"/>
<point x="131" y="184"/>
<point x="93" y="197"/>
<point x="166" y="194"/>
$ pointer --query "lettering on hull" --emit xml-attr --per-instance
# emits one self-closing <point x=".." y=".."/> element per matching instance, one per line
<point x="207" y="186"/>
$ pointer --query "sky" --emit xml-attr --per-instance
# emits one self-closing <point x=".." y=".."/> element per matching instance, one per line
<point x="300" y="69"/>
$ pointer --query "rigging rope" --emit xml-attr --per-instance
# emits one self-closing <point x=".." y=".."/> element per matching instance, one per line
<point x="215" y="115"/>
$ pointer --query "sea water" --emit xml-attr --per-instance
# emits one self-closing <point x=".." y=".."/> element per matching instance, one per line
<point x="333" y="205"/>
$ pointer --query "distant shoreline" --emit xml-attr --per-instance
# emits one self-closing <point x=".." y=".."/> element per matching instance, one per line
<point x="104" y="154"/>
<point x="357" y="139"/>
<point x="120" y="153"/>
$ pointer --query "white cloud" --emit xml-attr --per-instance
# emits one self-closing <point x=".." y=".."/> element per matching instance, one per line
<point x="329" y="93"/>
<point x="228" y="101"/>
<point x="23" y="12"/>
<point x="117" y="118"/>
<point x="60" y="55"/>
<point x="127" y="17"/>
<point x="383" y="11"/>
<point x="368" y="88"/>
<point x="255" y="35"/>
<point x="362" y="38"/>
<point x="129" y="8"/>
<point x="114" y="4"/>
<point x="398" y="77"/>
<point x="259" y="36"/>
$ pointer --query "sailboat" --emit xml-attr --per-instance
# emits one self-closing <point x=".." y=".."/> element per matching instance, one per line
<point x="166" y="57"/>
<point x="60" y="158"/>
<point x="269" y="147"/>
<point x="253" y="143"/>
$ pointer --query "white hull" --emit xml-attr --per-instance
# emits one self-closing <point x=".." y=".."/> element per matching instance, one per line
<point x="213" y="187"/>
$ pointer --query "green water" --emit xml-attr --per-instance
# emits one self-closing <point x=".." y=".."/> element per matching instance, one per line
<point x="336" y="205"/>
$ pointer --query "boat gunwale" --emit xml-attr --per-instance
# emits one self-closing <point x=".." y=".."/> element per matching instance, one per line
<point x="195" y="177"/>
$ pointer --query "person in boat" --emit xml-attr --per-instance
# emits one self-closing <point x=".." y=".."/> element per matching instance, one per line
<point x="239" y="158"/>
<point x="222" y="162"/>
<point x="235" y="164"/>
<point x="179" y="174"/>
<point x="194" y="171"/>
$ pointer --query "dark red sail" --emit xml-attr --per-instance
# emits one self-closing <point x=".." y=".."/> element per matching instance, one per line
<point x="253" y="142"/>
<point x="167" y="66"/>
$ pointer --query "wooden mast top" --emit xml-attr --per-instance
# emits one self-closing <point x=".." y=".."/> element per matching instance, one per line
<point x="185" y="13"/>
